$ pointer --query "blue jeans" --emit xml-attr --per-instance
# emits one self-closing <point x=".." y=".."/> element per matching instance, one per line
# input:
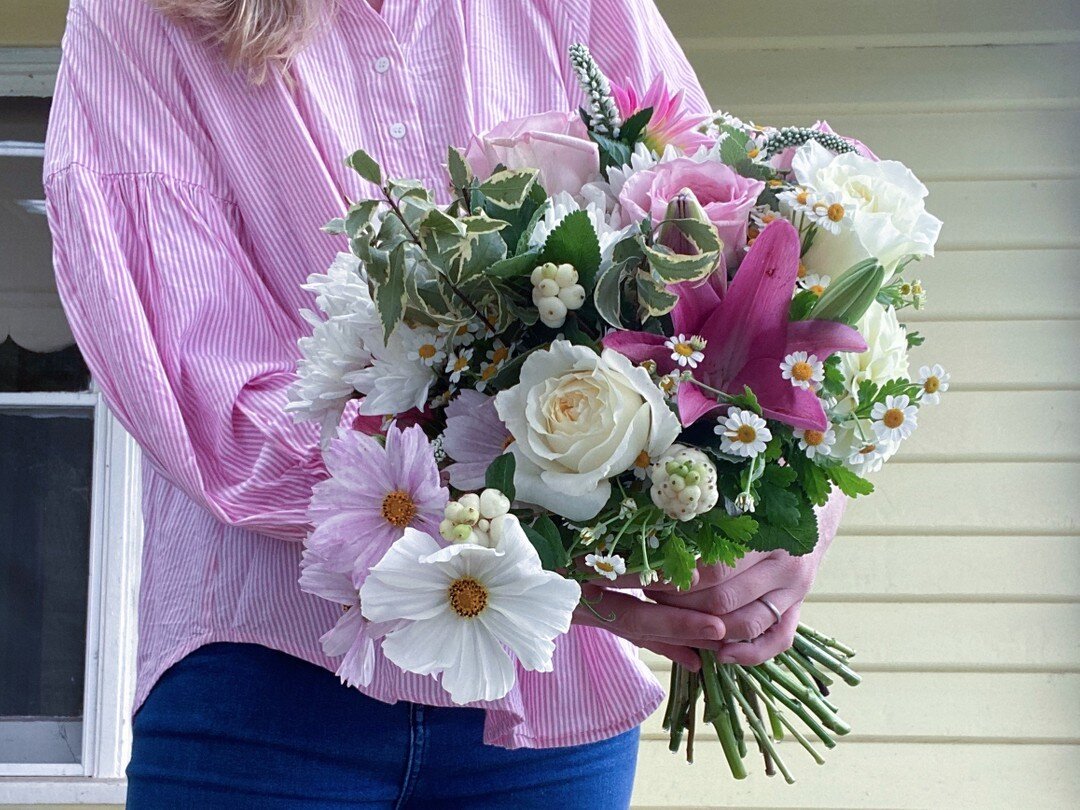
<point x="243" y="726"/>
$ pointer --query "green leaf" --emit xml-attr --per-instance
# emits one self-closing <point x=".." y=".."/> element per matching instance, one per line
<point x="675" y="267"/>
<point x="390" y="295"/>
<point x="460" y="172"/>
<point x="514" y="266"/>
<point x="334" y="226"/>
<point x="653" y="297"/>
<point x="500" y="475"/>
<point x="632" y="128"/>
<point x="733" y="149"/>
<point x="677" y="562"/>
<point x="798" y="538"/>
<point x="851" y="484"/>
<point x="366" y="166"/>
<point x="747" y="401"/>
<point x="574" y="241"/>
<point x="607" y="296"/>
<point x="801" y="305"/>
<point x="509" y="187"/>
<point x="833" y="384"/>
<point x="739" y="529"/>
<point x="482" y="223"/>
<point x="915" y="339"/>
<point x="544" y="535"/>
<point x="813" y="478"/>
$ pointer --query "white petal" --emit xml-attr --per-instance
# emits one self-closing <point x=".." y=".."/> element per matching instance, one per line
<point x="482" y="671"/>
<point x="428" y="646"/>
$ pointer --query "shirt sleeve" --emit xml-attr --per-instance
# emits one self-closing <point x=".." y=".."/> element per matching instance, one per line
<point x="188" y="346"/>
<point x="633" y="44"/>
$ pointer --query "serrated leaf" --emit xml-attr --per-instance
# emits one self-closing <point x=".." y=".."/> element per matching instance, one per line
<point x="812" y="477"/>
<point x="366" y="166"/>
<point x="733" y="149"/>
<point x="653" y="297"/>
<point x="545" y="538"/>
<point x="747" y="401"/>
<point x="738" y="528"/>
<point x="509" y="188"/>
<point x="500" y="475"/>
<point x="850" y="483"/>
<point x="390" y="294"/>
<point x="677" y="562"/>
<point x="801" y="305"/>
<point x="573" y="241"/>
<point x="514" y="266"/>
<point x="797" y="539"/>
<point x="631" y="129"/>
<point x="460" y="172"/>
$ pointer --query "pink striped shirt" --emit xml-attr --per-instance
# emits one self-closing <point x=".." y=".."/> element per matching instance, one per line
<point x="186" y="204"/>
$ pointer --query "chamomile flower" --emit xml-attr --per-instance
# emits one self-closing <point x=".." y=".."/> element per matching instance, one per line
<point x="797" y="199"/>
<point x="458" y="363"/>
<point x="743" y="433"/>
<point x="815" y="283"/>
<point x="895" y="418"/>
<point x="763" y="215"/>
<point x="935" y="382"/>
<point x="815" y="442"/>
<point x="460" y="334"/>
<point x="804" y="370"/>
<point x="608" y="566"/>
<point x="686" y="351"/>
<point x="424" y="345"/>
<point x="829" y="213"/>
<point x="870" y="456"/>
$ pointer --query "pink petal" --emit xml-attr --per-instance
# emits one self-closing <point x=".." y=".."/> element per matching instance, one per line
<point x="641" y="346"/>
<point x="779" y="399"/>
<point x="823" y="338"/>
<point x="698" y="301"/>
<point x="694" y="403"/>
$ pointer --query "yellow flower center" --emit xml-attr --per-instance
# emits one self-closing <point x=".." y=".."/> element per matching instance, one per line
<point x="802" y="197"/>
<point x="802" y="270"/>
<point x="461" y="363"/>
<point x="813" y="438"/>
<point x="817" y="289"/>
<point x="499" y="355"/>
<point x="745" y="434"/>
<point x="867" y="449"/>
<point x="605" y="567"/>
<point x="488" y="372"/>
<point x="836" y="212"/>
<point x="893" y="418"/>
<point x="468" y="598"/>
<point x="426" y="351"/>
<point x="684" y="349"/>
<point x="398" y="508"/>
<point x="642" y="460"/>
<point x="754" y="152"/>
<point x="931" y="385"/>
<point x="802" y="371"/>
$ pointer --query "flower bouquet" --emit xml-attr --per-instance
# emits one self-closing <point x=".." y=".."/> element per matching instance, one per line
<point x="626" y="341"/>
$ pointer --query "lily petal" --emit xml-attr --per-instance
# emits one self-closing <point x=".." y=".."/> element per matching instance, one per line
<point x="823" y="338"/>
<point x="641" y="346"/>
<point x="780" y="399"/>
<point x="694" y="403"/>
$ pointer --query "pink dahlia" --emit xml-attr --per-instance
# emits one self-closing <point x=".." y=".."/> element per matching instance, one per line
<point x="669" y="124"/>
<point x="475" y="436"/>
<point x="374" y="493"/>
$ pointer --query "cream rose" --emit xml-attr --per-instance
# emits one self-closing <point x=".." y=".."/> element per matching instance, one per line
<point x="579" y="418"/>
<point x="887" y="206"/>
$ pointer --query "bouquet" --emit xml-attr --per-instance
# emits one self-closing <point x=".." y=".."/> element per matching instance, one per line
<point x="628" y="340"/>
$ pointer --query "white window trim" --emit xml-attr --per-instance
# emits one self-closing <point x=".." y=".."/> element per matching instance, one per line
<point x="28" y="71"/>
<point x="115" y="554"/>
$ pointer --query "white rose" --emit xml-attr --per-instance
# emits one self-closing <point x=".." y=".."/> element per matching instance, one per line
<point x="886" y="203"/>
<point x="578" y="419"/>
<point x="885" y="358"/>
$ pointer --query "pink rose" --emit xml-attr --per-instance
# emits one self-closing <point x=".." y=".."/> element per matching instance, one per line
<point x="724" y="194"/>
<point x="556" y="143"/>
<point x="782" y="161"/>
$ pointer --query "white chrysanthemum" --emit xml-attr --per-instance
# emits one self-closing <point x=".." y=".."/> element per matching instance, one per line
<point x="686" y="351"/>
<point x="935" y="382"/>
<point x="463" y="607"/>
<point x="683" y="482"/>
<point x="609" y="566"/>
<point x="803" y="370"/>
<point x="331" y="354"/>
<point x="894" y="419"/>
<point x="885" y="358"/>
<point x="343" y="290"/>
<point x="743" y="433"/>
<point x="393" y="383"/>
<point x="815" y="442"/>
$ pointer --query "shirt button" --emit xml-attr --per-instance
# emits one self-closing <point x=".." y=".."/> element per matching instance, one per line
<point x="382" y="64"/>
<point x="397" y="130"/>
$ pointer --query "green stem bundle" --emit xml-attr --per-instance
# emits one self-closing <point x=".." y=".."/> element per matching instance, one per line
<point x="796" y="681"/>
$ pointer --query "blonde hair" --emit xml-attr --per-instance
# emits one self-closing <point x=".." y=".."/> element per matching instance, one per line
<point x="254" y="34"/>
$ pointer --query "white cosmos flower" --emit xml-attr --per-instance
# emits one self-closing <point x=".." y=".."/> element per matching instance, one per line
<point x="609" y="566"/>
<point x="804" y="370"/>
<point x="935" y="382"/>
<point x="686" y="351"/>
<point x="461" y="608"/>
<point x="743" y="433"/>
<point x="815" y="442"/>
<point x="894" y="419"/>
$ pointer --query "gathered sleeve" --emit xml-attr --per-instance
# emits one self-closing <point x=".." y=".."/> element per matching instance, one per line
<point x="174" y="319"/>
<point x="633" y="44"/>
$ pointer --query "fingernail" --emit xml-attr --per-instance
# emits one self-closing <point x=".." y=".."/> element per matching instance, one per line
<point x="714" y="632"/>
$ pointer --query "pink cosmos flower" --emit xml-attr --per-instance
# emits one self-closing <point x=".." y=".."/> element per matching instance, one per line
<point x="724" y="194"/>
<point x="747" y="334"/>
<point x="474" y="437"/>
<point x="555" y="143"/>
<point x="669" y="124"/>
<point x="374" y="494"/>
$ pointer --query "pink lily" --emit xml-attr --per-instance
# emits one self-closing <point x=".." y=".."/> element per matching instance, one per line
<point x="747" y="334"/>
<point x="669" y="124"/>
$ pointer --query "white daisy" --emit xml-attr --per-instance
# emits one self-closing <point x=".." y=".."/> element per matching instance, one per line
<point x="641" y="466"/>
<point x="460" y="334"/>
<point x="763" y="215"/>
<point x="869" y="457"/>
<point x="894" y="419"/>
<point x="804" y="370"/>
<point x="829" y="213"/>
<point x="815" y="442"/>
<point x="686" y="351"/>
<point x="425" y="345"/>
<point x="797" y="198"/>
<point x="815" y="283"/>
<point x="935" y="382"/>
<point x="606" y="565"/>
<point x="743" y="433"/>
<point x="466" y="608"/>
<point x="458" y="363"/>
